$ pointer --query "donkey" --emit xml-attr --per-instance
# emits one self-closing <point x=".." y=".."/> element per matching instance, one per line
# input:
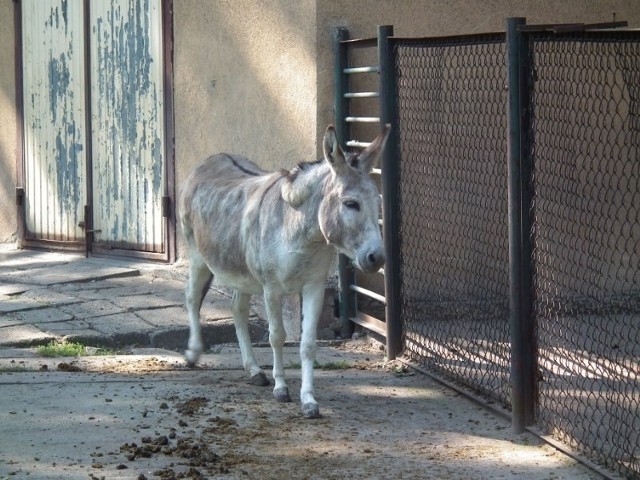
<point x="277" y="234"/>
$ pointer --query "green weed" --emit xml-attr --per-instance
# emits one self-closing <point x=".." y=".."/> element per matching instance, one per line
<point x="71" y="349"/>
<point x="339" y="365"/>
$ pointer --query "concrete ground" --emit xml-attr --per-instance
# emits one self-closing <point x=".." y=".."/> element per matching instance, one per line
<point x="145" y="415"/>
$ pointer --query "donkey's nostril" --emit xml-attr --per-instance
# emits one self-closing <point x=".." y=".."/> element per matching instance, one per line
<point x="375" y="259"/>
<point x="371" y="261"/>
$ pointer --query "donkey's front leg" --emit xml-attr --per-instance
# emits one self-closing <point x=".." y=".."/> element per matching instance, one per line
<point x="277" y="337"/>
<point x="312" y="301"/>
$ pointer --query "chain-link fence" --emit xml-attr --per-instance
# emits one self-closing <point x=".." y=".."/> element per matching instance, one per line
<point x="583" y="107"/>
<point x="585" y="137"/>
<point x="454" y="258"/>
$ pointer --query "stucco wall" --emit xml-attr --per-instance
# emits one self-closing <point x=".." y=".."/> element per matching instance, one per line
<point x="8" y="224"/>
<point x="425" y="18"/>
<point x="245" y="80"/>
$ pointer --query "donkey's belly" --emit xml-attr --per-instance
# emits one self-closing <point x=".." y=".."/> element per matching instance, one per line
<point x="239" y="282"/>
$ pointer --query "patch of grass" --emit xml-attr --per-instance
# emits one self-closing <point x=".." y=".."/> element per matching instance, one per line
<point x="339" y="365"/>
<point x="71" y="349"/>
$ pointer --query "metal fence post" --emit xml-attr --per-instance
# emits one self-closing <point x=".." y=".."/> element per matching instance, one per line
<point x="390" y="193"/>
<point x="346" y="272"/>
<point x="520" y="304"/>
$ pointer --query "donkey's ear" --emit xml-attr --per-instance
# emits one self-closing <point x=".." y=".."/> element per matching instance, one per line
<point x="369" y="157"/>
<point x="332" y="151"/>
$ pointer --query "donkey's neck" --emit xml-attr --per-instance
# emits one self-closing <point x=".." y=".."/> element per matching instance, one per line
<point x="317" y="176"/>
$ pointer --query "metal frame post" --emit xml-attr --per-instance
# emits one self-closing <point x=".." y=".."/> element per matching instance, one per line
<point x="21" y="231"/>
<point x="520" y="302"/>
<point x="390" y="192"/>
<point x="346" y="272"/>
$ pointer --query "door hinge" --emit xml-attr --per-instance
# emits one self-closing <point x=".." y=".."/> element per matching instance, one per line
<point x="19" y="196"/>
<point x="166" y="207"/>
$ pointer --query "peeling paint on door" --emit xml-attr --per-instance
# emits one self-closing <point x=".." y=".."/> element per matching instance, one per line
<point x="54" y="118"/>
<point x="126" y="134"/>
<point x="127" y="123"/>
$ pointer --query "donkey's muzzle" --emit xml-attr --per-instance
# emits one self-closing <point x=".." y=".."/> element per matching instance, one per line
<point x="372" y="260"/>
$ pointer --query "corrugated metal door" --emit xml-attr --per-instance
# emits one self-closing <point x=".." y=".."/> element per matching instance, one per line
<point x="116" y="165"/>
<point x="54" y="120"/>
<point x="127" y="124"/>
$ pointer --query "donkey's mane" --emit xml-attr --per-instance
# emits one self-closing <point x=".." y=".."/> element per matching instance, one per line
<point x="301" y="167"/>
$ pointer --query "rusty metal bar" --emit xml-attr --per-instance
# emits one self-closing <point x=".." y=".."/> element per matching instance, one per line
<point x="360" y="42"/>
<point x="572" y="27"/>
<point x="362" y="119"/>
<point x="358" y="144"/>
<point x="368" y="293"/>
<point x="390" y="193"/>
<point x="346" y="273"/>
<point x="362" y="95"/>
<point x="522" y="377"/>
<point x="352" y="70"/>
<point x="370" y="323"/>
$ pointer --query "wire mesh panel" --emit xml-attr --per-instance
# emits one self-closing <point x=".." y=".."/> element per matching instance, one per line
<point x="451" y="118"/>
<point x="585" y="137"/>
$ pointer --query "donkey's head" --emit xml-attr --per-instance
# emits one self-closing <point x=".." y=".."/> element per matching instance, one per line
<point x="349" y="210"/>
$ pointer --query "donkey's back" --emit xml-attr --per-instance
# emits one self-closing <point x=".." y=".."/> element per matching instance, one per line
<point x="216" y="206"/>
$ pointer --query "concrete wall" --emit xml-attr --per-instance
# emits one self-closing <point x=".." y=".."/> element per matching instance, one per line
<point x="8" y="223"/>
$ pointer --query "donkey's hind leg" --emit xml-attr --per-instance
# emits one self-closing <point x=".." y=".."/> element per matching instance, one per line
<point x="240" y="304"/>
<point x="197" y="287"/>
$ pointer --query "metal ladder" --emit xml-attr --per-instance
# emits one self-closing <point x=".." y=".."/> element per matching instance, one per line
<point x="345" y="121"/>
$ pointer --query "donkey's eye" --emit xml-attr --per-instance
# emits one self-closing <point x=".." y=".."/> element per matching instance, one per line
<point x="352" y="204"/>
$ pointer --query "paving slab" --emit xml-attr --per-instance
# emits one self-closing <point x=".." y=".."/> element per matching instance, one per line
<point x="43" y="315"/>
<point x="143" y="302"/>
<point x="92" y="309"/>
<point x="11" y="289"/>
<point x="24" y="335"/>
<point x="48" y="296"/>
<point x="120" y="324"/>
<point x="74" y="270"/>
<point x="15" y="304"/>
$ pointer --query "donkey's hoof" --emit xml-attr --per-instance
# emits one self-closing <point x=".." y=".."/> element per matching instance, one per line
<point x="282" y="395"/>
<point x="259" y="379"/>
<point x="310" y="410"/>
<point x="191" y="357"/>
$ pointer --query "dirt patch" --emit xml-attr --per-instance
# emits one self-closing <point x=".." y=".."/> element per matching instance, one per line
<point x="137" y="365"/>
<point x="193" y="458"/>
<point x="191" y="406"/>
<point x="378" y="421"/>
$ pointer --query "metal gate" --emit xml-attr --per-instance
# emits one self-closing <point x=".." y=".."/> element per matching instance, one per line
<point x="513" y="209"/>
<point x="95" y="143"/>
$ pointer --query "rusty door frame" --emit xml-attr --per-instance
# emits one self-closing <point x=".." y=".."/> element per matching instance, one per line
<point x="168" y="207"/>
